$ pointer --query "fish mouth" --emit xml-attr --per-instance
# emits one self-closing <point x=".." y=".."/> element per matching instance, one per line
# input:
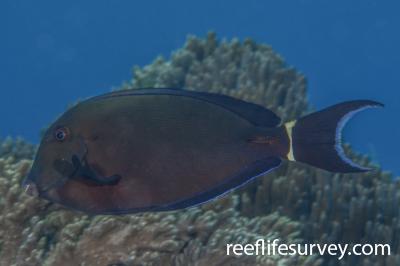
<point x="31" y="189"/>
<point x="65" y="170"/>
<point x="29" y="185"/>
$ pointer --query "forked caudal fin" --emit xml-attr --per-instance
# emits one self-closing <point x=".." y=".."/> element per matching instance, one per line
<point x="316" y="138"/>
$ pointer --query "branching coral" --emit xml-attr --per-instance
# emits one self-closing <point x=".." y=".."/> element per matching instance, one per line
<point x="248" y="71"/>
<point x="17" y="148"/>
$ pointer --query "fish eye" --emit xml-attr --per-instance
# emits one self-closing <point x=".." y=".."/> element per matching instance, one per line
<point x="61" y="133"/>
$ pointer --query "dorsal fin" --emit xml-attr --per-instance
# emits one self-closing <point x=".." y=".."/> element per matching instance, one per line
<point x="255" y="114"/>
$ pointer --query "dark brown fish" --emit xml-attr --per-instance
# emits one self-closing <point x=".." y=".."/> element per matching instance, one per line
<point x="165" y="149"/>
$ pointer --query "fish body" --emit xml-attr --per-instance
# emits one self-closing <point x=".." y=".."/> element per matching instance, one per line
<point x="166" y="149"/>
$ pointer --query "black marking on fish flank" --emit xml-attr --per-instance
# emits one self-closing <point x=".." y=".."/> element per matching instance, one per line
<point x="85" y="171"/>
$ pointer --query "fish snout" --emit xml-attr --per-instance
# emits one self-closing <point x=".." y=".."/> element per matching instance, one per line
<point x="31" y="189"/>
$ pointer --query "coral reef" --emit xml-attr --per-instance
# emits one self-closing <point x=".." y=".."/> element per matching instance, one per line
<point x="34" y="232"/>
<point x="247" y="71"/>
<point x="17" y="148"/>
<point x="296" y="203"/>
<point x="332" y="208"/>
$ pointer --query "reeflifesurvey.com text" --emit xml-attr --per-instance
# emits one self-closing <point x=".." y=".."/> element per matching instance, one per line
<point x="273" y="247"/>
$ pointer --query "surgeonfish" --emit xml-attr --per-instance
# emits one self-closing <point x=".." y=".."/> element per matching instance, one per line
<point x="166" y="149"/>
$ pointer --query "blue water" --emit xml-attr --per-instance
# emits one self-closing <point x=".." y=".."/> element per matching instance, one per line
<point x="53" y="52"/>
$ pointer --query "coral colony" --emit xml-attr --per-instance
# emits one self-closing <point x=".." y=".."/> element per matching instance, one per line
<point x="296" y="204"/>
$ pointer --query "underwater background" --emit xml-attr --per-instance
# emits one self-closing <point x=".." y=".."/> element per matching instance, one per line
<point x="299" y="56"/>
